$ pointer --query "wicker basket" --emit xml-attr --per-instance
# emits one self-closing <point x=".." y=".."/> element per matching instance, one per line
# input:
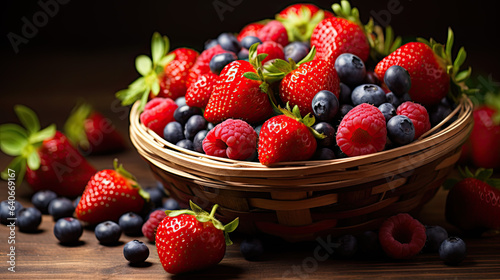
<point x="302" y="200"/>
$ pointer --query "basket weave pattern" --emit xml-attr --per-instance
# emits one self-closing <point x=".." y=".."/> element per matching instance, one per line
<point x="302" y="200"/>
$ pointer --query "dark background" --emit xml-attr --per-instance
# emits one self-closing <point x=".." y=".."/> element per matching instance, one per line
<point x="87" y="49"/>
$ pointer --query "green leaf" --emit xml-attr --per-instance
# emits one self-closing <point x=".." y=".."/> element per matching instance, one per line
<point x="18" y="167"/>
<point x="227" y="239"/>
<point x="202" y="218"/>
<point x="252" y="76"/>
<point x="157" y="48"/>
<point x="280" y="66"/>
<point x="166" y="59"/>
<point x="217" y="224"/>
<point x="140" y="83"/>
<point x="449" y="42"/>
<point x="463" y="75"/>
<point x="43" y="134"/>
<point x="28" y="118"/>
<point x="308" y="120"/>
<point x="143" y="65"/>
<point x="230" y="227"/>
<point x="309" y="57"/>
<point x="175" y="213"/>
<point x="13" y="139"/>
<point x="296" y="112"/>
<point x="155" y="88"/>
<point x="460" y="59"/>
<point x="33" y="160"/>
<point x="144" y="99"/>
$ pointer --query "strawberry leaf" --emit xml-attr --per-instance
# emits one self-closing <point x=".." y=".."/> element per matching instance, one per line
<point x="46" y="133"/>
<point x="143" y="64"/>
<point x="28" y="118"/>
<point x="18" y="165"/>
<point x="33" y="160"/>
<point x="252" y="76"/>
<point x="230" y="227"/>
<point x="13" y="139"/>
<point x="74" y="127"/>
<point x="157" y="47"/>
<point x="309" y="57"/>
<point x="197" y="209"/>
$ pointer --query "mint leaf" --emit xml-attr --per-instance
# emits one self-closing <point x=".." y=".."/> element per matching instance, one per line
<point x="143" y="64"/>
<point x="28" y="118"/>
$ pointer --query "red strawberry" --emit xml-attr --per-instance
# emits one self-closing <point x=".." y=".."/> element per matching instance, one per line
<point x="250" y="30"/>
<point x="192" y="240"/>
<point x="198" y="93"/>
<point x="173" y="82"/>
<point x="92" y="132"/>
<point x="240" y="92"/>
<point x="287" y="137"/>
<point x="47" y="157"/>
<point x="110" y="194"/>
<point x="342" y="34"/>
<point x="300" y="82"/>
<point x="473" y="203"/>
<point x="201" y="66"/>
<point x="300" y="20"/>
<point x="274" y="31"/>
<point x="485" y="137"/>
<point x="272" y="49"/>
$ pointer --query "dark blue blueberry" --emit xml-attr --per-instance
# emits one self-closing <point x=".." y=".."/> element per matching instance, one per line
<point x="252" y="248"/>
<point x="243" y="54"/>
<point x="136" y="251"/>
<point x="453" y="250"/>
<point x="345" y="94"/>
<point x="388" y="110"/>
<point x="131" y="224"/>
<point x="108" y="232"/>
<point x="28" y="219"/>
<point x="9" y="209"/>
<point x="400" y="130"/>
<point x="173" y="132"/>
<point x="435" y="236"/>
<point x="198" y="140"/>
<point x="344" y="109"/>
<point x="171" y="204"/>
<point x="180" y="101"/>
<point x="42" y="199"/>
<point x="76" y="201"/>
<point x="155" y="195"/>
<point x="325" y="105"/>
<point x="61" y="207"/>
<point x="229" y="42"/>
<point x="397" y="79"/>
<point x="183" y="113"/>
<point x="338" y="152"/>
<point x="68" y="230"/>
<point x="350" y="68"/>
<point x="248" y="41"/>
<point x="323" y="154"/>
<point x="186" y="144"/>
<point x="371" y="78"/>
<point x="210" y="44"/>
<point x="219" y="61"/>
<point x="210" y="126"/>
<point x="368" y="93"/>
<point x="405" y="97"/>
<point x="194" y="125"/>
<point x="328" y="131"/>
<point x="348" y="246"/>
<point x="296" y="51"/>
<point x="393" y="99"/>
<point x="439" y="113"/>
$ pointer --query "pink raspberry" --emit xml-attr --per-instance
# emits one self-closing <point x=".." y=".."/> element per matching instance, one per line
<point x="273" y="50"/>
<point x="157" y="113"/>
<point x="198" y="94"/>
<point x="150" y="226"/>
<point x="232" y="138"/>
<point x="362" y="131"/>
<point x="273" y="31"/>
<point x="417" y="114"/>
<point x="402" y="237"/>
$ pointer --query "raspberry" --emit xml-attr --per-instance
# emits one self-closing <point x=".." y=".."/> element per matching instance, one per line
<point x="273" y="50"/>
<point x="201" y="66"/>
<point x="274" y="31"/>
<point x="417" y="114"/>
<point x="232" y="138"/>
<point x="199" y="93"/>
<point x="249" y="30"/>
<point x="149" y="227"/>
<point x="362" y="131"/>
<point x="401" y="236"/>
<point x="157" y="113"/>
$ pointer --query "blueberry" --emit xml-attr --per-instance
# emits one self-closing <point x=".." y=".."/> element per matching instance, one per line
<point x="323" y="154"/>
<point x="296" y="51"/>
<point x="210" y="126"/>
<point x="344" y="109"/>
<point x="173" y="132"/>
<point x="194" y="125"/>
<point x="171" y="204"/>
<point x="210" y="44"/>
<point x="348" y="246"/>
<point x="77" y="201"/>
<point x="393" y="99"/>
<point x="350" y="68"/>
<point x="243" y="54"/>
<point x="345" y="94"/>
<point x="229" y="42"/>
<point x="41" y="200"/>
<point x="9" y="209"/>
<point x="439" y="113"/>
<point x="388" y="110"/>
<point x="183" y="113"/>
<point x="131" y="224"/>
<point x="435" y="236"/>
<point x="328" y="131"/>
<point x="368" y="93"/>
<point x="453" y="250"/>
<point x="248" y="41"/>
<point x="28" y="219"/>
<point x="186" y="144"/>
<point x="180" y="101"/>
<point x="108" y="232"/>
<point x="136" y="251"/>
<point x="219" y="61"/>
<point x="68" y="230"/>
<point x="397" y="79"/>
<point x="198" y="140"/>
<point x="371" y="78"/>
<point x="251" y="248"/>
<point x="155" y="195"/>
<point x="61" y="207"/>
<point x="325" y="105"/>
<point x="400" y="130"/>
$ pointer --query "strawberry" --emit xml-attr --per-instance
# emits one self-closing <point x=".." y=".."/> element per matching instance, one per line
<point x="430" y="66"/>
<point x="274" y="31"/>
<point x="300" y="82"/>
<point x="201" y="66"/>
<point x="173" y="81"/>
<point x="189" y="240"/>
<point x="287" y="137"/>
<point x="474" y="203"/>
<point x="341" y="34"/>
<point x="272" y="49"/>
<point x="110" y="194"/>
<point x="250" y="29"/>
<point x="90" y="131"/>
<point x="45" y="156"/>
<point x="240" y="92"/>
<point x="300" y="20"/>
<point x="199" y="93"/>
